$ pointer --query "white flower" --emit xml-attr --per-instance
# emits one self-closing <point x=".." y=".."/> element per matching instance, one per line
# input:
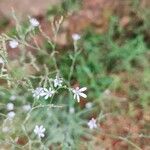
<point x="13" y="44"/>
<point x="34" y="22"/>
<point x="26" y="107"/>
<point x="48" y="93"/>
<point x="58" y="82"/>
<point x="10" y="106"/>
<point x="79" y="92"/>
<point x="38" y="92"/>
<point x="88" y="105"/>
<point x="92" y="124"/>
<point x="71" y="110"/>
<point x="13" y="97"/>
<point x="39" y="130"/>
<point x="76" y="37"/>
<point x="11" y="115"/>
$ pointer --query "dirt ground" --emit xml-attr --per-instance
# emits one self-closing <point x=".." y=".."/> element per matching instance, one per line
<point x="25" y="7"/>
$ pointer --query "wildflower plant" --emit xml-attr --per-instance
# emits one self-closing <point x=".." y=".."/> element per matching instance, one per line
<point x="46" y="97"/>
<point x="41" y="104"/>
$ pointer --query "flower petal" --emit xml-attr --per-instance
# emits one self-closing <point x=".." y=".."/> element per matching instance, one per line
<point x="83" y="89"/>
<point x="43" y="130"/>
<point x="83" y="95"/>
<point x="74" y="96"/>
<point x="78" y="98"/>
<point x="46" y="97"/>
<point x="42" y="135"/>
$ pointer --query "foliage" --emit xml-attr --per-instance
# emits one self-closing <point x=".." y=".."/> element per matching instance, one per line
<point x="109" y="64"/>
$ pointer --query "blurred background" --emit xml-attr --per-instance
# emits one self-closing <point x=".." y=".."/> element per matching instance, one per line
<point x="114" y="64"/>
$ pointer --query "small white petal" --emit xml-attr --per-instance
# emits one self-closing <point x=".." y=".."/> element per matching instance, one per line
<point x="74" y="96"/>
<point x="83" y="95"/>
<point x="42" y="135"/>
<point x="83" y="89"/>
<point x="57" y="81"/>
<point x="78" y="98"/>
<point x="10" y="106"/>
<point x="36" y="128"/>
<point x="45" y="90"/>
<point x="41" y="127"/>
<point x="11" y="115"/>
<point x="46" y="97"/>
<point x="76" y="37"/>
<point x="13" y="44"/>
<point x="43" y="130"/>
<point x="34" y="22"/>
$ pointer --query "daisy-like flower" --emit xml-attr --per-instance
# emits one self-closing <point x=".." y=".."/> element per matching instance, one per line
<point x="79" y="92"/>
<point x="13" y="44"/>
<point x="34" y="22"/>
<point x="38" y="92"/>
<point x="92" y="124"/>
<point x="76" y="37"/>
<point x="39" y="130"/>
<point x="11" y="115"/>
<point x="48" y="93"/>
<point x="26" y="107"/>
<point x="58" y="82"/>
<point x="10" y="106"/>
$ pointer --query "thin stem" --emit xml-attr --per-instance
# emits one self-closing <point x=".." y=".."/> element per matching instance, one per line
<point x="71" y="70"/>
